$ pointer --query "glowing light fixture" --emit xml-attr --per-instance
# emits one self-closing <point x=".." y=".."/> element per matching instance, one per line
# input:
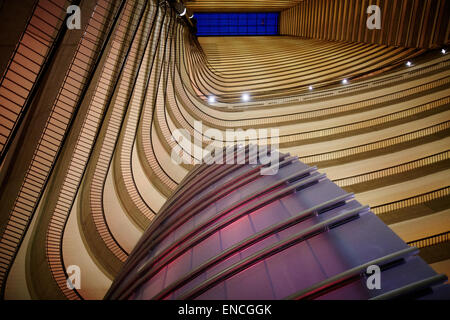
<point x="345" y="81"/>
<point x="443" y="51"/>
<point x="180" y="8"/>
<point x="211" y="99"/>
<point x="310" y="88"/>
<point x="245" y="97"/>
<point x="409" y="64"/>
<point x="191" y="16"/>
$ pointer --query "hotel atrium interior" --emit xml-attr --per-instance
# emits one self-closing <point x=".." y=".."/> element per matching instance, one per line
<point x="110" y="111"/>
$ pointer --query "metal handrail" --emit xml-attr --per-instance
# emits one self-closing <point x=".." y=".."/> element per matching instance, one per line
<point x="411" y="201"/>
<point x="431" y="240"/>
<point x="28" y="64"/>
<point x="393" y="170"/>
<point x="49" y="147"/>
<point x="77" y="164"/>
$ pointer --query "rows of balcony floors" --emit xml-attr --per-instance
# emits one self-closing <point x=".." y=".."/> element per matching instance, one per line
<point x="385" y="138"/>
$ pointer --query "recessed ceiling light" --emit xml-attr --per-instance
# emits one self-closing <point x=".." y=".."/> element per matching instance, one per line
<point x="345" y="81"/>
<point x="443" y="51"/>
<point x="409" y="64"/>
<point x="310" y="87"/>
<point x="245" y="97"/>
<point x="211" y="99"/>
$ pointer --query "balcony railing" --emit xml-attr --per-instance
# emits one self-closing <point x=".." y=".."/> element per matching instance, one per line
<point x="71" y="93"/>
<point x="31" y="57"/>
<point x="431" y="240"/>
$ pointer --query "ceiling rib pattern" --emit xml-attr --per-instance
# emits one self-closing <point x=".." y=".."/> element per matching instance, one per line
<point x="240" y="5"/>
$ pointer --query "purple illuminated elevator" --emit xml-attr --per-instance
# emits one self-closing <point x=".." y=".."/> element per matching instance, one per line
<point x="229" y="232"/>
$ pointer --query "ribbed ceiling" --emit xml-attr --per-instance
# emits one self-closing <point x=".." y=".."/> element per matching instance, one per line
<point x="239" y="5"/>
